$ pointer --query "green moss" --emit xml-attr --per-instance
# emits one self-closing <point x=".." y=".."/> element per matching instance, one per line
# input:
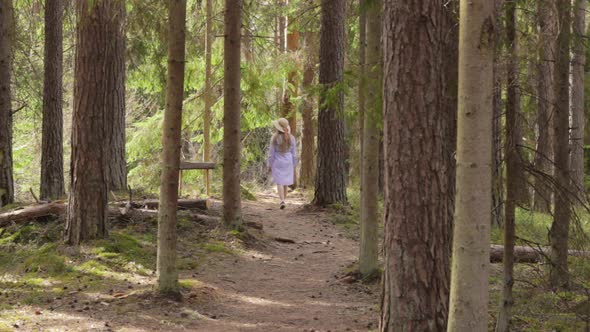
<point x="122" y="249"/>
<point x="93" y="267"/>
<point x="216" y="246"/>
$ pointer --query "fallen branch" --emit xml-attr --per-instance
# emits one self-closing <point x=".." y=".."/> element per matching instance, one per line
<point x="59" y="208"/>
<point x="529" y="255"/>
<point x="32" y="212"/>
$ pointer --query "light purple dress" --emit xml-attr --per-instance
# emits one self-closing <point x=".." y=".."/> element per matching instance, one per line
<point x="282" y="164"/>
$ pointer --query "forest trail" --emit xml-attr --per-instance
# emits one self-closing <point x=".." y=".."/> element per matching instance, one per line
<point x="269" y="286"/>
<point x="290" y="286"/>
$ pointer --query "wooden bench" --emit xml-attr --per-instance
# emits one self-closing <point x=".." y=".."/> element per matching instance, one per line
<point x="188" y="165"/>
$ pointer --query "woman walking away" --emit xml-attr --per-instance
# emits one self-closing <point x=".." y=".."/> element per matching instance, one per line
<point x="282" y="158"/>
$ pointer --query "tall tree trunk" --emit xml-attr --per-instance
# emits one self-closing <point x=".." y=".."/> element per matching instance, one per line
<point x="559" y="233"/>
<point x="52" y="168"/>
<point x="232" y="212"/>
<point x="578" y="116"/>
<point x="545" y="109"/>
<point x="473" y="202"/>
<point x="291" y="90"/>
<point x="330" y="182"/>
<point x="247" y="34"/>
<point x="513" y="103"/>
<point x="282" y="26"/>
<point x="308" y="132"/>
<point x="368" y="257"/>
<point x="6" y="177"/>
<point x="497" y="169"/>
<point x="97" y="74"/>
<point x="208" y="91"/>
<point x="417" y="222"/>
<point x="362" y="80"/>
<point x="172" y="127"/>
<point x="115" y="130"/>
<point x="513" y="169"/>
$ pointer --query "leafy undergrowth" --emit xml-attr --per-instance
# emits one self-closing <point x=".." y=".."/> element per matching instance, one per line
<point x="39" y="275"/>
<point x="536" y="306"/>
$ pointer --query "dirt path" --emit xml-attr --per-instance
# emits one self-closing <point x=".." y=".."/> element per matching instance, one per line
<point x="277" y="287"/>
<point x="291" y="287"/>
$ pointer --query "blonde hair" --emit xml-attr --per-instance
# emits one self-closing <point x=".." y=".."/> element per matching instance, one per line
<point x="283" y="142"/>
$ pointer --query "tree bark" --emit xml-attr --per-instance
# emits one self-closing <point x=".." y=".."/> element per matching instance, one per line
<point x="473" y="202"/>
<point x="330" y="184"/>
<point x="545" y="110"/>
<point x="115" y="108"/>
<point x="513" y="170"/>
<point x="97" y="75"/>
<point x="513" y="106"/>
<point x="559" y="233"/>
<point x="291" y="90"/>
<point x="368" y="257"/>
<point x="306" y="176"/>
<point x="208" y="92"/>
<point x="171" y="144"/>
<point x="578" y="116"/>
<point x="362" y="88"/>
<point x="52" y="168"/>
<point x="417" y="222"/>
<point x="6" y="176"/>
<point x="232" y="213"/>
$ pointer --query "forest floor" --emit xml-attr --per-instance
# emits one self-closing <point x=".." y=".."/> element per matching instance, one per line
<point x="291" y="276"/>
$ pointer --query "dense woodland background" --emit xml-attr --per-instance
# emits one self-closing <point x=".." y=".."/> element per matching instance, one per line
<point x="429" y="130"/>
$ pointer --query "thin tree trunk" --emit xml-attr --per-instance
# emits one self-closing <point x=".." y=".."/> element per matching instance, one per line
<point x="513" y="103"/>
<point x="368" y="257"/>
<point x="513" y="171"/>
<point x="6" y="176"/>
<point x="497" y="176"/>
<point x="97" y="75"/>
<point x="52" y="168"/>
<point x="473" y="202"/>
<point x="417" y="222"/>
<point x="559" y="233"/>
<point x="232" y="212"/>
<point x="172" y="127"/>
<point x="545" y="110"/>
<point x="307" y="141"/>
<point x="362" y="81"/>
<point x="282" y="26"/>
<point x="578" y="116"/>
<point x="330" y="184"/>
<point x="291" y="90"/>
<point x="208" y="92"/>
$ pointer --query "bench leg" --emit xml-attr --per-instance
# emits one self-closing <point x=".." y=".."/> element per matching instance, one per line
<point x="180" y="183"/>
<point x="207" y="184"/>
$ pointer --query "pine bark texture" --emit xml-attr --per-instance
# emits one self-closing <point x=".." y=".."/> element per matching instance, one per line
<point x="468" y="308"/>
<point x="578" y="116"/>
<point x="6" y="176"/>
<point x="417" y="203"/>
<point x="171" y="144"/>
<point x="208" y="92"/>
<point x="52" y="168"/>
<point x="559" y="233"/>
<point x="306" y="175"/>
<point x="497" y="168"/>
<point x="232" y="212"/>
<point x="115" y="99"/>
<point x="369" y="241"/>
<point x="513" y="172"/>
<point x="97" y="80"/>
<point x="543" y="191"/>
<point x="331" y="177"/>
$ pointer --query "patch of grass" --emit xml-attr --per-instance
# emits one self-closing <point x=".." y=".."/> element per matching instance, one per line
<point x="217" y="246"/>
<point x="189" y="284"/>
<point x="123" y="249"/>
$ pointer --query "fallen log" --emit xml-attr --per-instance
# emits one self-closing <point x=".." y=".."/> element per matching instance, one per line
<point x="59" y="208"/>
<point x="187" y="204"/>
<point x="528" y="254"/>
<point x="32" y="212"/>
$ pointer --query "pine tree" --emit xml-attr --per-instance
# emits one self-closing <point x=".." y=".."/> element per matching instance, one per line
<point x="172" y="127"/>
<point x="6" y="176"/>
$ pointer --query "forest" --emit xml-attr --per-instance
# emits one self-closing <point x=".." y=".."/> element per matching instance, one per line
<point x="294" y="165"/>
